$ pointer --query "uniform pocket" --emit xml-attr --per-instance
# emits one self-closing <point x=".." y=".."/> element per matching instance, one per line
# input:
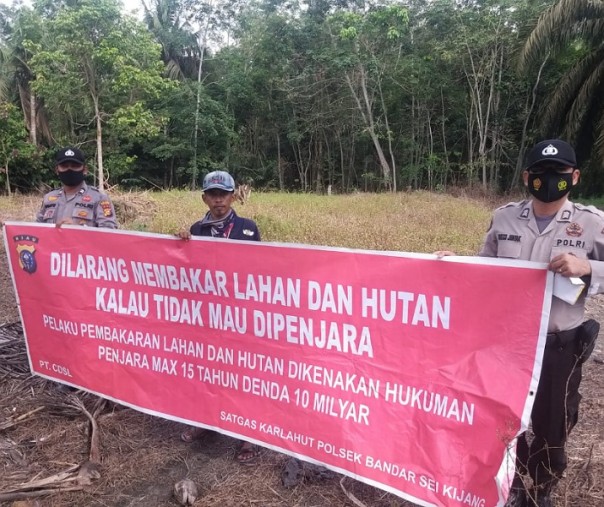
<point x="49" y="214"/>
<point x="509" y="249"/>
<point x="577" y="251"/>
<point x="82" y="216"/>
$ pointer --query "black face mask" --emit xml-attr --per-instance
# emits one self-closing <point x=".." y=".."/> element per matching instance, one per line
<point x="71" y="178"/>
<point x="549" y="186"/>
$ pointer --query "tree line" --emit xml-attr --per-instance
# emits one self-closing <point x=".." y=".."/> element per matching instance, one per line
<point x="303" y="95"/>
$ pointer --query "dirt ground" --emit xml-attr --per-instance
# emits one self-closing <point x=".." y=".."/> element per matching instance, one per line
<point x="142" y="456"/>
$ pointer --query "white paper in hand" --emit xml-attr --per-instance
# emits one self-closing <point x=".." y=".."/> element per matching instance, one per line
<point x="568" y="289"/>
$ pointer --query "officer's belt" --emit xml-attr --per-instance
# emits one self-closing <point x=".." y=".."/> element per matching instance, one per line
<point x="562" y="338"/>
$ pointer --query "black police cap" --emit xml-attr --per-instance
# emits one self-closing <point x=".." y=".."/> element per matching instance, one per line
<point x="551" y="150"/>
<point x="70" y="154"/>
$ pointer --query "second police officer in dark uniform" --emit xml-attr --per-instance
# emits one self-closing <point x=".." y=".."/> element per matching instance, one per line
<point x="75" y="202"/>
<point x="570" y="238"/>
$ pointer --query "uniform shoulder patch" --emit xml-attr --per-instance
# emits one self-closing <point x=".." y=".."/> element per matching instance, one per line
<point x="106" y="207"/>
<point x="53" y="195"/>
<point x="95" y="190"/>
<point x="589" y="209"/>
<point x="101" y="195"/>
<point x="514" y="204"/>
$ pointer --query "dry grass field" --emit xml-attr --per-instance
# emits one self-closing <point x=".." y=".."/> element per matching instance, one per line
<point x="45" y="431"/>
<point x="412" y="222"/>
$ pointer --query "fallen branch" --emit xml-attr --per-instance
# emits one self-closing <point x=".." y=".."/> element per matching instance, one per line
<point x="20" y="495"/>
<point x="75" y="477"/>
<point x="587" y="463"/>
<point x="94" y="455"/>
<point x="13" y="422"/>
<point x="350" y="496"/>
<point x="52" y="481"/>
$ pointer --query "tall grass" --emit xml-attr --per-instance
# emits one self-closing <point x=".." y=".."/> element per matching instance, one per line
<point x="411" y="222"/>
<point x="19" y="207"/>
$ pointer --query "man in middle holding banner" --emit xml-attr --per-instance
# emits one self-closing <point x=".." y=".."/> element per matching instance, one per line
<point x="221" y="221"/>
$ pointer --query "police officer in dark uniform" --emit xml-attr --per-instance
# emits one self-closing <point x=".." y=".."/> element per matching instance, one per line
<point x="221" y="221"/>
<point x="570" y="238"/>
<point x="75" y="202"/>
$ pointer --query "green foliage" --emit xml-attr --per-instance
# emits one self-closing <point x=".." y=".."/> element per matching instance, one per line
<point x="14" y="148"/>
<point x="98" y="73"/>
<point x="120" y="166"/>
<point x="135" y="123"/>
<point x="348" y="32"/>
<point x="302" y="95"/>
<point x="568" y="35"/>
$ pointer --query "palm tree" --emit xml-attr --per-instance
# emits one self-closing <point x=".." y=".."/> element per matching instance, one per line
<point x="168" y="22"/>
<point x="575" y="108"/>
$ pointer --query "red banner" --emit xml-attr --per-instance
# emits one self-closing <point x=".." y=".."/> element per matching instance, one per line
<point x="403" y="371"/>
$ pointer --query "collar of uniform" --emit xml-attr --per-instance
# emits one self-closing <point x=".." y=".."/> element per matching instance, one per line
<point x="83" y="189"/>
<point x="526" y="210"/>
<point x="564" y="214"/>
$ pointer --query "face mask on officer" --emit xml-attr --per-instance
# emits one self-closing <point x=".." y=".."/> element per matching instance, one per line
<point x="71" y="178"/>
<point x="549" y="185"/>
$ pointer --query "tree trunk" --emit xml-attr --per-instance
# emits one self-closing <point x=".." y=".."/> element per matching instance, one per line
<point x="527" y="117"/>
<point x="204" y="41"/>
<point x="367" y="115"/>
<point x="389" y="134"/>
<point x="99" y="144"/>
<point x="342" y="165"/>
<point x="8" y="192"/>
<point x="33" y="124"/>
<point x="279" y="167"/>
<point x="445" y="176"/>
<point x="197" y="103"/>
